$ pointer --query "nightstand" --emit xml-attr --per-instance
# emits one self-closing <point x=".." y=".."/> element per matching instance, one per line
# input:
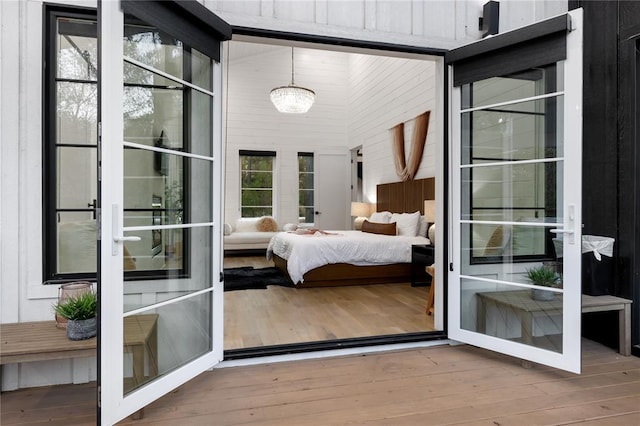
<point x="421" y="257"/>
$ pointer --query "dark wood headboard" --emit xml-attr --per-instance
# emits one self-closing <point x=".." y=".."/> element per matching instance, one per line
<point x="405" y="197"/>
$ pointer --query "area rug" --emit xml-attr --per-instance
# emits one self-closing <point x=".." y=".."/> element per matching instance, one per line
<point x="249" y="278"/>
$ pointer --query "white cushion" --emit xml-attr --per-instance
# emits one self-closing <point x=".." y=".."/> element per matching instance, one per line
<point x="227" y="229"/>
<point x="380" y="217"/>
<point x="422" y="230"/>
<point x="290" y="227"/>
<point x="247" y="224"/>
<point x="406" y="223"/>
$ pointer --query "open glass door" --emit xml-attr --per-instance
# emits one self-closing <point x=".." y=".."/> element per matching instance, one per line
<point x="161" y="199"/>
<point x="516" y="180"/>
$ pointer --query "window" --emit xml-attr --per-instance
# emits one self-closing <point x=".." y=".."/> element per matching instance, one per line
<point x="305" y="188"/>
<point x="256" y="183"/>
<point x="156" y="113"/>
<point x="70" y="145"/>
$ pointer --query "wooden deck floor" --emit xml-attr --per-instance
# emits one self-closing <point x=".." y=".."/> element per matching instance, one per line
<point x="445" y="385"/>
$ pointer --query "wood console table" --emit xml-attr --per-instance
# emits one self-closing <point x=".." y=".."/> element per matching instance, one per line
<point x="528" y="310"/>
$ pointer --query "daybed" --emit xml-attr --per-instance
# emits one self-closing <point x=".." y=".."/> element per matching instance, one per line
<point x="250" y="234"/>
<point x="371" y="268"/>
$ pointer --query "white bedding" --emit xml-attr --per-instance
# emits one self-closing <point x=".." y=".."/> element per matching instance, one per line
<point x="306" y="252"/>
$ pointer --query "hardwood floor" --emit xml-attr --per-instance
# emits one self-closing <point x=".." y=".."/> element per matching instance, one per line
<point x="444" y="385"/>
<point x="281" y="315"/>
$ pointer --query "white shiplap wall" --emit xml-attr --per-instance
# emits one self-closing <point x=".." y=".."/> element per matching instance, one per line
<point x="254" y="124"/>
<point x="384" y="92"/>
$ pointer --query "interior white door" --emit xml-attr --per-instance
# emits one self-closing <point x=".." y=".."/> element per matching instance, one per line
<point x="161" y="188"/>
<point x="516" y="141"/>
<point x="332" y="182"/>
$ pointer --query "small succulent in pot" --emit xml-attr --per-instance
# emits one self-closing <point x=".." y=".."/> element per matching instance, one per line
<point x="80" y="311"/>
<point x="543" y="276"/>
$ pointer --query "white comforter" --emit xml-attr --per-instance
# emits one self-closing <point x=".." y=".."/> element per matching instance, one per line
<point x="306" y="252"/>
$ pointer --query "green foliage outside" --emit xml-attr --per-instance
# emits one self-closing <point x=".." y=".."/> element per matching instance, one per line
<point x="257" y="183"/>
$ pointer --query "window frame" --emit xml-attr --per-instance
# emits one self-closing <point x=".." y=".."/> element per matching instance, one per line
<point x="49" y="143"/>
<point x="254" y="153"/>
<point x="312" y="189"/>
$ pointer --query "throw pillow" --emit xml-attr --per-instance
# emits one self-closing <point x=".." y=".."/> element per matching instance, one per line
<point x="422" y="231"/>
<point x="407" y="223"/>
<point x="379" y="228"/>
<point x="247" y="224"/>
<point x="380" y="217"/>
<point x="227" y="229"/>
<point x="267" y="224"/>
<point x="290" y="227"/>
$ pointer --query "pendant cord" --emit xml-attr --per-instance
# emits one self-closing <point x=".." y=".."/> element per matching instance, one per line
<point x="292" y="82"/>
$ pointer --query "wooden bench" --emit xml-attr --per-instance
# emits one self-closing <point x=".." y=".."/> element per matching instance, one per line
<point x="43" y="341"/>
<point x="528" y="310"/>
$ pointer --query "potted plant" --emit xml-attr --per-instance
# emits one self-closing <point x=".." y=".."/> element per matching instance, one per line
<point x="543" y="276"/>
<point x="80" y="312"/>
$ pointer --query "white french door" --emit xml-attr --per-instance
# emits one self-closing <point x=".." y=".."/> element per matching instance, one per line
<point x="516" y="142"/>
<point x="161" y="205"/>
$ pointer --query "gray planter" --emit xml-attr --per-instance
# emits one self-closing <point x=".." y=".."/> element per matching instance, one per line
<point x="82" y="329"/>
<point x="542" y="295"/>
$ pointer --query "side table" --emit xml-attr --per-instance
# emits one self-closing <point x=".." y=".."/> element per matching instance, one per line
<point x="422" y="255"/>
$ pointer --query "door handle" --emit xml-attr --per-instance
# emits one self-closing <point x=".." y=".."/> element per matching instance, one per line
<point x="569" y="229"/>
<point x="122" y="239"/>
<point x="318" y="213"/>
<point x="118" y="238"/>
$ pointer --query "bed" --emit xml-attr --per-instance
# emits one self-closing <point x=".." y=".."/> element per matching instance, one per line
<point x="314" y="267"/>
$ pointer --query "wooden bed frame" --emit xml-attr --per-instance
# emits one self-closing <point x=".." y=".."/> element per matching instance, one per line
<point x="397" y="197"/>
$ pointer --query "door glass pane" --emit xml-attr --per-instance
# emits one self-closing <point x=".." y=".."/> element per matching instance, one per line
<point x="516" y="132"/>
<point x="154" y="48"/>
<point x="157" y="180"/>
<point x="524" y="315"/>
<point x="522" y="85"/>
<point x="165" y="338"/>
<point x="525" y="192"/>
<point x="191" y="247"/>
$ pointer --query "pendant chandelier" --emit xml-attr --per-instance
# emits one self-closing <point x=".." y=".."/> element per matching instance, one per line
<point x="292" y="99"/>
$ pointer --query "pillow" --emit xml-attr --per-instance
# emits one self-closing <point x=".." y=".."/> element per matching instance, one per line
<point x="267" y="224"/>
<point x="380" y="217"/>
<point x="227" y="229"/>
<point x="406" y="223"/>
<point x="378" y="228"/>
<point x="247" y="224"/>
<point x="422" y="230"/>
<point x="290" y="227"/>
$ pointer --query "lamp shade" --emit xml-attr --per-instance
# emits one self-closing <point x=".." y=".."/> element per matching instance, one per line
<point x="430" y="211"/>
<point x="360" y="209"/>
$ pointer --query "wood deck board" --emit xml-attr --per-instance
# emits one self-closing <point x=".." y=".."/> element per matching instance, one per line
<point x="439" y="385"/>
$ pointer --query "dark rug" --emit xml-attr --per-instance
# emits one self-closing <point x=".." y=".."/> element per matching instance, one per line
<point x="249" y="278"/>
